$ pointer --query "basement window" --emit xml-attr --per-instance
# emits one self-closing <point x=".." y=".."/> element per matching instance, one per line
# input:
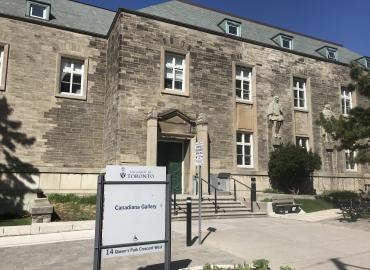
<point x="38" y="10"/>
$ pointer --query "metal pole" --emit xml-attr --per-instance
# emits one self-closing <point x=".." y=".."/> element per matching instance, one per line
<point x="167" y="246"/>
<point x="98" y="223"/>
<point x="234" y="190"/>
<point x="253" y="192"/>
<point x="174" y="203"/>
<point x="188" y="221"/>
<point x="216" y="201"/>
<point x="200" y="206"/>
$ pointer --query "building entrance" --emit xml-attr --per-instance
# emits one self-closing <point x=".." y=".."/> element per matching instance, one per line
<point x="170" y="155"/>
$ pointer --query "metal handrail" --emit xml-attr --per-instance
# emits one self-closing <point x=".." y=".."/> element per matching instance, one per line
<point x="215" y="189"/>
<point x="175" y="204"/>
<point x="235" y="181"/>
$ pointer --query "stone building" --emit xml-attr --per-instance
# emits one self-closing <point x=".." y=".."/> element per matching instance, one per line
<point x="83" y="87"/>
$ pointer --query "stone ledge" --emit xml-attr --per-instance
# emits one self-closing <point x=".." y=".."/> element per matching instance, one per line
<point x="44" y="228"/>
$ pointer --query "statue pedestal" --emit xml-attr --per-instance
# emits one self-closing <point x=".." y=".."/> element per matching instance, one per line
<point x="276" y="141"/>
<point x="329" y="146"/>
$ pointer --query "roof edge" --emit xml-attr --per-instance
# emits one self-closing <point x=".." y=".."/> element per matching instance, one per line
<point x="154" y="17"/>
<point x="258" y="22"/>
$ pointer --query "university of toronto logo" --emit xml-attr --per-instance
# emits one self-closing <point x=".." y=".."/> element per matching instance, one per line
<point x="123" y="173"/>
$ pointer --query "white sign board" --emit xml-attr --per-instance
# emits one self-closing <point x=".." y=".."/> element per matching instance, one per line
<point x="134" y="213"/>
<point x="199" y="153"/>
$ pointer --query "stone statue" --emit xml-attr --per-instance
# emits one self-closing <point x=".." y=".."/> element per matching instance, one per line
<point x="275" y="116"/>
<point x="328" y="114"/>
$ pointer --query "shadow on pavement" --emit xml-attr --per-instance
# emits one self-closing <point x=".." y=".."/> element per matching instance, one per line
<point x="175" y="265"/>
<point x="210" y="230"/>
<point x="344" y="266"/>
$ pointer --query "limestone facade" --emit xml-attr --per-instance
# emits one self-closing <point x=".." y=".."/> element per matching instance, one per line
<point x="75" y="138"/>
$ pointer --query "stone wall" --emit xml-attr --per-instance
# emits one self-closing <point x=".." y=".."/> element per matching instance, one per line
<point x="211" y="90"/>
<point x="67" y="132"/>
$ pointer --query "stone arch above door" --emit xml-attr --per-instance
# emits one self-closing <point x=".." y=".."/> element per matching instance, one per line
<point x="175" y="124"/>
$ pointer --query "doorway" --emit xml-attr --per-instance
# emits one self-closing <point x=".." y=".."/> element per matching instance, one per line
<point x="170" y="155"/>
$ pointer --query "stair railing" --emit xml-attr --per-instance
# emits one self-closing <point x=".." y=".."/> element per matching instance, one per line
<point x="216" y="190"/>
<point x="240" y="183"/>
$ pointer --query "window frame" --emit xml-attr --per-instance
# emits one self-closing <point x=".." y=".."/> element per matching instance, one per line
<point x="367" y="62"/>
<point x="347" y="153"/>
<point x="286" y="38"/>
<point x="299" y="140"/>
<point x="243" y="79"/>
<point x="174" y="69"/>
<point x="45" y="6"/>
<point x="186" y="72"/>
<point x="84" y="77"/>
<point x="343" y="98"/>
<point x="235" y="24"/>
<point x="3" y="65"/>
<point x="243" y="143"/>
<point x="304" y="90"/>
<point x="331" y="50"/>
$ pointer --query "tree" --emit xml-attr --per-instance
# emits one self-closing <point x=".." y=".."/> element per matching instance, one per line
<point x="353" y="132"/>
<point x="291" y="167"/>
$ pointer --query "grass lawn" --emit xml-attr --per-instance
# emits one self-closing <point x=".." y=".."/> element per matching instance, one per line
<point x="71" y="207"/>
<point x="15" y="221"/>
<point x="310" y="206"/>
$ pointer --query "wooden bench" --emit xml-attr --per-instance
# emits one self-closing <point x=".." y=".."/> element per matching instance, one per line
<point x="281" y="205"/>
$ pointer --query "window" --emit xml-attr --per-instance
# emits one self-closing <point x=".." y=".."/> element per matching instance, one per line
<point x="350" y="162"/>
<point x="331" y="53"/>
<point x="1" y="62"/>
<point x="233" y="28"/>
<point x="38" y="10"/>
<point x="303" y="142"/>
<point x="71" y="77"/>
<point x="4" y="50"/>
<point x="174" y="72"/>
<point x="243" y="83"/>
<point x="368" y="63"/>
<point x="244" y="149"/>
<point x="299" y="92"/>
<point x="346" y="100"/>
<point x="286" y="42"/>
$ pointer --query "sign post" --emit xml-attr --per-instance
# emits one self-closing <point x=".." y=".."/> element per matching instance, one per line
<point x="130" y="198"/>
<point x="199" y="154"/>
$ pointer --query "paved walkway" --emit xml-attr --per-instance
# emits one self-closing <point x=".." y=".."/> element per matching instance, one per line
<point x="324" y="245"/>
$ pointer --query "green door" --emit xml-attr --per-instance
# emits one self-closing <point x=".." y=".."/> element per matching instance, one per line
<point x="170" y="156"/>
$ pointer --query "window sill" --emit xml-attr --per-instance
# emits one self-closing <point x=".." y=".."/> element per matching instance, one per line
<point x="69" y="96"/>
<point x="242" y="101"/>
<point x="244" y="167"/>
<point x="300" y="110"/>
<point x="174" y="92"/>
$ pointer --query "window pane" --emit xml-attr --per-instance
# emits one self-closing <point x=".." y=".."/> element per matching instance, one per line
<point x="238" y="84"/>
<point x="179" y="75"/>
<point x="247" y="150"/>
<point x="76" y="88"/>
<point x="295" y="102"/>
<point x="78" y="67"/>
<point x="178" y="85"/>
<point x="301" y="94"/>
<point x="77" y="79"/>
<point x="169" y="59"/>
<point x="179" y="61"/>
<point x="64" y="87"/>
<point x="246" y="95"/>
<point x="239" y="149"/>
<point x="247" y="138"/>
<point x="168" y="83"/>
<point x="295" y="94"/>
<point x="247" y="160"/>
<point x="37" y="10"/>
<point x="301" y="103"/>
<point x="66" y="77"/>
<point x="239" y="160"/>
<point x="239" y="137"/>
<point x="239" y="93"/>
<point x="169" y="73"/>
<point x="286" y="43"/>
<point x="246" y="85"/>
<point x="238" y="72"/>
<point x="233" y="29"/>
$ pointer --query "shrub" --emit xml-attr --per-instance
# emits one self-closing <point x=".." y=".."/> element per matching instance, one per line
<point x="290" y="168"/>
<point x="338" y="196"/>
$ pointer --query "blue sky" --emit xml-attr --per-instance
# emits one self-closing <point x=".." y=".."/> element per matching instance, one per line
<point x="343" y="21"/>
